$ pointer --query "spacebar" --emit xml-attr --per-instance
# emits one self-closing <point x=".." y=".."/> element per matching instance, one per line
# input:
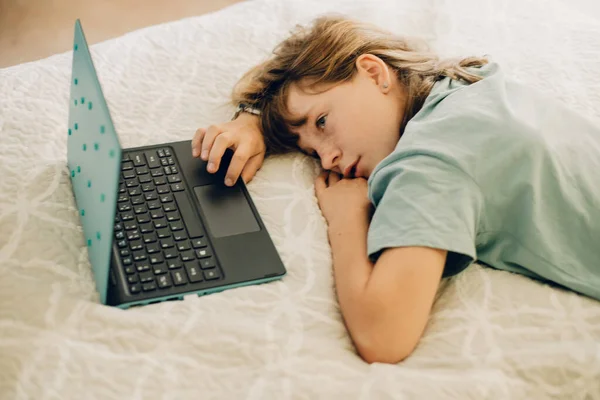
<point x="187" y="214"/>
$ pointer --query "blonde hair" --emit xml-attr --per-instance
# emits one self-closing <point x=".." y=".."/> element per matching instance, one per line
<point x="326" y="53"/>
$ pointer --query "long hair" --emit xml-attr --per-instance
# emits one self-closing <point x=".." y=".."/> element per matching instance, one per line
<point x="325" y="52"/>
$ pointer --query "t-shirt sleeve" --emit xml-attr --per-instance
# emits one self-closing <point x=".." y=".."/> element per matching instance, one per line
<point x="422" y="200"/>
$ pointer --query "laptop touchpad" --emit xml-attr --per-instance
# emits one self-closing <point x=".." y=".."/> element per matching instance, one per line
<point x="226" y="210"/>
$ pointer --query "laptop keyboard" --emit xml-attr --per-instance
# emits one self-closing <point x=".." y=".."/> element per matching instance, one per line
<point x="160" y="242"/>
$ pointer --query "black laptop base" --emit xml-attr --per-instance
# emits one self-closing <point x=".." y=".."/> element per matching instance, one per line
<point x="179" y="230"/>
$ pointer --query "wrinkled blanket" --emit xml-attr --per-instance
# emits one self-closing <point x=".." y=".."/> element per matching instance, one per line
<point x="491" y="335"/>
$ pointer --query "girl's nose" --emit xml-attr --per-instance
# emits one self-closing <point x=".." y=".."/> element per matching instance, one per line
<point x="330" y="158"/>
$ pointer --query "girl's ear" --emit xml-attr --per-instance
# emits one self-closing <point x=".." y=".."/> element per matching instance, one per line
<point x="375" y="69"/>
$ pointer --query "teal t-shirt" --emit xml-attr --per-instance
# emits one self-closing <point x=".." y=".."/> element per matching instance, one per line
<point x="495" y="172"/>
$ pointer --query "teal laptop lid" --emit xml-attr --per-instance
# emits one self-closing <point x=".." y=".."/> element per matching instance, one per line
<point x="94" y="160"/>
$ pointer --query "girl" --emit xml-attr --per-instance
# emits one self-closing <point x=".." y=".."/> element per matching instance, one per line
<point x="460" y="164"/>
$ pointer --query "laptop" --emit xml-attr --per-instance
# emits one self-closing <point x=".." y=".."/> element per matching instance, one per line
<point x="157" y="225"/>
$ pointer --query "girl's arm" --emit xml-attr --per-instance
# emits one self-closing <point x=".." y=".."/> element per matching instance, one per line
<point x="385" y="305"/>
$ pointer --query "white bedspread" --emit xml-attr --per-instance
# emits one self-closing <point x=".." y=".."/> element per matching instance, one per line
<point x="491" y="334"/>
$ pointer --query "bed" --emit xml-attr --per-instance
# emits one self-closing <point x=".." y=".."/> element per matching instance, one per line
<point x="491" y="334"/>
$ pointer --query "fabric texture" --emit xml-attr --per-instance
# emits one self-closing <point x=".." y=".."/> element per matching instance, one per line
<point x="501" y="167"/>
<point x="492" y="334"/>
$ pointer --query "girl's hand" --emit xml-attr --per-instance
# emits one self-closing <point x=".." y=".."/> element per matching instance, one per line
<point x="342" y="201"/>
<point x="243" y="135"/>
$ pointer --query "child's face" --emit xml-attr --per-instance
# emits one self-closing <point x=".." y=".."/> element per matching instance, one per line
<point x="357" y="121"/>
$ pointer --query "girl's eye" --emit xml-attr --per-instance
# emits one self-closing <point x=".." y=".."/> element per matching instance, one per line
<point x="321" y="122"/>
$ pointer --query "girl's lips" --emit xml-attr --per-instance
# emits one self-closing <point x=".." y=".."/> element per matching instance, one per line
<point x="349" y="169"/>
<point x="357" y="170"/>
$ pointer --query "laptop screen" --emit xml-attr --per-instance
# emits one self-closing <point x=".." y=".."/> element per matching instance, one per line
<point x="94" y="160"/>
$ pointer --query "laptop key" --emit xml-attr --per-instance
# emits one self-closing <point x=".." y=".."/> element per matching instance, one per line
<point x="199" y="243"/>
<point x="203" y="253"/>
<point x="141" y="170"/>
<point x="156" y="172"/>
<point x="147" y="287"/>
<point x="166" y="198"/>
<point x="164" y="162"/>
<point x="149" y="196"/>
<point x="160" y="269"/>
<point x="163" y="233"/>
<point x="187" y="255"/>
<point x="131" y="183"/>
<point x="128" y="174"/>
<point x="132" y="279"/>
<point x="122" y="243"/>
<point x="173" y="216"/>
<point x="161" y="153"/>
<point x="153" y="205"/>
<point x="164" y="281"/>
<point x="187" y="214"/>
<point x="146" y="277"/>
<point x="141" y="267"/>
<point x="183" y="245"/>
<point x="174" y="264"/>
<point x="171" y="253"/>
<point x="122" y="198"/>
<point x="134" y="191"/>
<point x="160" y="180"/>
<point x="138" y="159"/>
<point x="176" y="226"/>
<point x="146" y="228"/>
<point x="174" y="179"/>
<point x="147" y="187"/>
<point x="155" y="214"/>
<point x="140" y="209"/>
<point x="177" y="187"/>
<point x="126" y="166"/>
<point x="212" y="274"/>
<point x="127" y="216"/>
<point x="167" y="243"/>
<point x="134" y="289"/>
<point x="136" y="245"/>
<point x="167" y="152"/>
<point x="179" y="235"/>
<point x="174" y="169"/>
<point x="139" y="256"/>
<point x="162" y="189"/>
<point x="152" y="248"/>
<point x="178" y="277"/>
<point x="137" y="200"/>
<point x="133" y="235"/>
<point x="130" y="225"/>
<point x="168" y="207"/>
<point x="127" y="261"/>
<point x="207" y="263"/>
<point x="167" y="169"/>
<point x="119" y="235"/>
<point x="130" y="269"/>
<point x="145" y="178"/>
<point x="156" y="259"/>
<point x="152" y="159"/>
<point x="171" y="161"/>
<point x="193" y="272"/>
<point x="142" y="219"/>
<point x="160" y="223"/>
<point x="125" y="252"/>
<point x="124" y="207"/>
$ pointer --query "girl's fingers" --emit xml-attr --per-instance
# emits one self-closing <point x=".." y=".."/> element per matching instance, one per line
<point x="334" y="178"/>
<point x="197" y="142"/>
<point x="321" y="184"/>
